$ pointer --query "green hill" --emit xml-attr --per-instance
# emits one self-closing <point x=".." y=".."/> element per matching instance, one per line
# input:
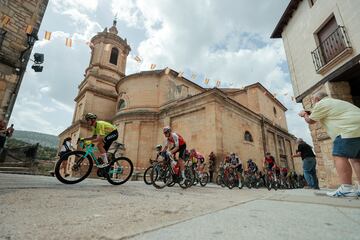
<point x="43" y="139"/>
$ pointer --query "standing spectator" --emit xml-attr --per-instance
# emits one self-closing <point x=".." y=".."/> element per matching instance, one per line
<point x="212" y="164"/>
<point x="309" y="163"/>
<point x="65" y="148"/>
<point x="2" y="134"/>
<point x="10" y="131"/>
<point x="341" y="120"/>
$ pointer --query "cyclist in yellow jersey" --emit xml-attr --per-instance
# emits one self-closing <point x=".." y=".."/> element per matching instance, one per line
<point x="104" y="134"/>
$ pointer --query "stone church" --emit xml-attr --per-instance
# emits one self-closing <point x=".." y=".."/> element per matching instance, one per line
<point x="248" y="121"/>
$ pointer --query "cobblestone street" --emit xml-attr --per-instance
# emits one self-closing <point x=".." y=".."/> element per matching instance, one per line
<point x="38" y="207"/>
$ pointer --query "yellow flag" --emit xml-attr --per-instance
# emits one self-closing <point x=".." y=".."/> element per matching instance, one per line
<point x="206" y="81"/>
<point x="152" y="66"/>
<point x="68" y="42"/>
<point x="167" y="70"/>
<point x="180" y="74"/>
<point x="47" y="35"/>
<point x="218" y="83"/>
<point x="5" y="20"/>
<point x="29" y="29"/>
<point x="138" y="59"/>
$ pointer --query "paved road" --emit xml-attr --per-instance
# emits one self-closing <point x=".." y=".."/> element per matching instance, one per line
<point x="38" y="207"/>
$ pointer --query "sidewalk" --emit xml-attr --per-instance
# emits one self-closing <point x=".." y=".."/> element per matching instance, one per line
<point x="297" y="214"/>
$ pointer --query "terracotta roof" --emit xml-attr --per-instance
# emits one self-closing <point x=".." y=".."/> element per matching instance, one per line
<point x="290" y="9"/>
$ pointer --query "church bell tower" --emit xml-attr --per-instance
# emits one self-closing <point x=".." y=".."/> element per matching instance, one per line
<point x="97" y="93"/>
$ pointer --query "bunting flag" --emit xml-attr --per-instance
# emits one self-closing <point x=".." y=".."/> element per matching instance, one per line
<point x="285" y="94"/>
<point x="68" y="42"/>
<point x="29" y="29"/>
<point x="292" y="98"/>
<point x="167" y="70"/>
<point x="218" y="83"/>
<point x="47" y="35"/>
<point x="152" y="66"/>
<point x="180" y="74"/>
<point x="206" y="81"/>
<point x="138" y="59"/>
<point x="5" y="20"/>
<point x="274" y="94"/>
<point x="193" y="76"/>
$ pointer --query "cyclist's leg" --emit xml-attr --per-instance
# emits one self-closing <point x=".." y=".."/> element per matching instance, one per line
<point x="105" y="143"/>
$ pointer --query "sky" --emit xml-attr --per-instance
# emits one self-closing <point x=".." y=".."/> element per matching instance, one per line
<point x="227" y="40"/>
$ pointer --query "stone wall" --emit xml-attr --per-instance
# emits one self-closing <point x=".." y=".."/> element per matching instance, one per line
<point x="21" y="14"/>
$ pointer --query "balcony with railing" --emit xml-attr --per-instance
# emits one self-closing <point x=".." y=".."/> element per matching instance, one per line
<point x="333" y="47"/>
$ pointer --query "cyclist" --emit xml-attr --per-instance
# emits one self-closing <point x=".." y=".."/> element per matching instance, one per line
<point x="269" y="162"/>
<point x="236" y="164"/>
<point x="277" y="171"/>
<point x="284" y="172"/>
<point x="104" y="134"/>
<point x="197" y="160"/>
<point x="179" y="147"/>
<point x="252" y="167"/>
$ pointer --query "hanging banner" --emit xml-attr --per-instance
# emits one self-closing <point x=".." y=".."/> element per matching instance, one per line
<point x="68" y="42"/>
<point x="138" y="59"/>
<point x="47" y="35"/>
<point x="218" y="83"/>
<point x="29" y="29"/>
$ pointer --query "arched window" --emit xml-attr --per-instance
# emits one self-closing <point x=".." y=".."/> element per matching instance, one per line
<point x="121" y="104"/>
<point x="248" y="137"/>
<point x="114" y="56"/>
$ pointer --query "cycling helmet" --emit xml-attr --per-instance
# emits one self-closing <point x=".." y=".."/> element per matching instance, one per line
<point x="166" y="129"/>
<point x="89" y="116"/>
<point x="249" y="161"/>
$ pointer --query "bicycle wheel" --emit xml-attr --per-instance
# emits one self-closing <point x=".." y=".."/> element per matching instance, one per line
<point x="218" y="180"/>
<point x="190" y="178"/>
<point x="161" y="176"/>
<point x="204" y="179"/>
<point x="73" y="167"/>
<point x="147" y="173"/>
<point x="119" y="171"/>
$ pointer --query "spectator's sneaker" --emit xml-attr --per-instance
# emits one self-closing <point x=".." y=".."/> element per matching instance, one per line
<point x="103" y="165"/>
<point x="343" y="191"/>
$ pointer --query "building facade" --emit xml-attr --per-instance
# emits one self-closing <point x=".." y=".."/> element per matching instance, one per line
<point x="322" y="45"/>
<point x="248" y="121"/>
<point x="19" y="25"/>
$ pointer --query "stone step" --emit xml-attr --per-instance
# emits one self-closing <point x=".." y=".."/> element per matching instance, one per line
<point x="15" y="164"/>
<point x="15" y="170"/>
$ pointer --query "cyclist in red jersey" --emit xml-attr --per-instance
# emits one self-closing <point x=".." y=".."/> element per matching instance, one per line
<point x="269" y="162"/>
<point x="179" y="147"/>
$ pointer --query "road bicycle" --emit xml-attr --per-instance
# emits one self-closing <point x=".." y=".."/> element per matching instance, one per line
<point x="79" y="164"/>
<point x="165" y="173"/>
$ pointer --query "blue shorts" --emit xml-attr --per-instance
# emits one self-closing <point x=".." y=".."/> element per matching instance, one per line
<point x="346" y="147"/>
